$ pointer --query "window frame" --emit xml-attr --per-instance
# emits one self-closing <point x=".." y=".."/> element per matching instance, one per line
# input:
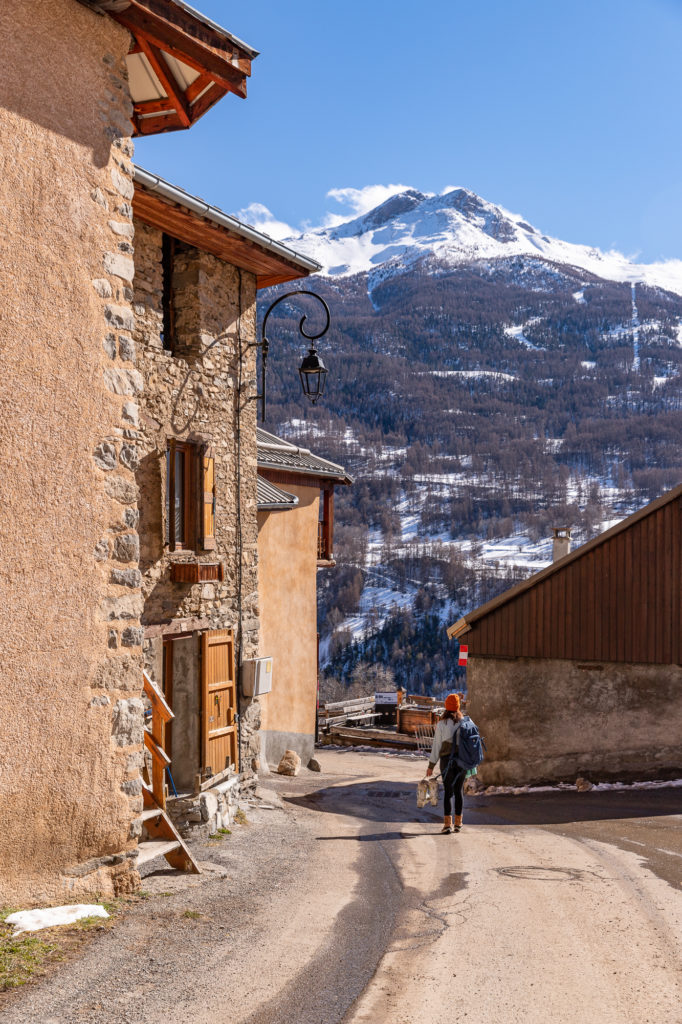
<point x="188" y="452"/>
<point x="197" y="458"/>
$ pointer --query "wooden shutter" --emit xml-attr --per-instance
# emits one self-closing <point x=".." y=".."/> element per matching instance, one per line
<point x="170" y="494"/>
<point x="219" y="701"/>
<point x="208" y="499"/>
<point x="326" y="529"/>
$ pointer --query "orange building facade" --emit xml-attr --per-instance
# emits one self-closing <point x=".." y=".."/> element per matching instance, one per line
<point x="295" y="541"/>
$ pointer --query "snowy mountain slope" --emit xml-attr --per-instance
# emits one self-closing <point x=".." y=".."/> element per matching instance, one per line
<point x="455" y="228"/>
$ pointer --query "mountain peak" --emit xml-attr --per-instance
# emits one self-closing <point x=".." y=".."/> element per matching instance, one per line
<point x="455" y="228"/>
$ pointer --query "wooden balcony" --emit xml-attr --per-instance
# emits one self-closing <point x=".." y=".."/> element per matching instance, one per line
<point x="325" y="555"/>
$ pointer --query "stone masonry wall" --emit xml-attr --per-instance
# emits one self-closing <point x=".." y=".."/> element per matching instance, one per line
<point x="193" y="394"/>
<point x="71" y="725"/>
<point x="552" y="721"/>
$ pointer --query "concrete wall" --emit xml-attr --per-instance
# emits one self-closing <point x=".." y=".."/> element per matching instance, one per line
<point x="551" y="721"/>
<point x="287" y="579"/>
<point x="70" y="727"/>
<point x="192" y="394"/>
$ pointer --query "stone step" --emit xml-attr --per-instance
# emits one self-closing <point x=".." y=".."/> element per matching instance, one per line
<point x="150" y="849"/>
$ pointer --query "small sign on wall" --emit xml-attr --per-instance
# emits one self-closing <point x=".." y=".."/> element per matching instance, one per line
<point x="463" y="654"/>
<point x="386" y="697"/>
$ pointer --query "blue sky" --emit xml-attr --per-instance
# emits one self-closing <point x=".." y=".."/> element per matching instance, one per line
<point x="566" y="113"/>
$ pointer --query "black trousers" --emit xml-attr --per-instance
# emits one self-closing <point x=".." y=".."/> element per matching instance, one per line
<point x="453" y="781"/>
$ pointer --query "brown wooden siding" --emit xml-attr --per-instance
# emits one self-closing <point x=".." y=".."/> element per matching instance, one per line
<point x="617" y="602"/>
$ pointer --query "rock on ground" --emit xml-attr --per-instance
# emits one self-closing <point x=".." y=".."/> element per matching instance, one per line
<point x="290" y="763"/>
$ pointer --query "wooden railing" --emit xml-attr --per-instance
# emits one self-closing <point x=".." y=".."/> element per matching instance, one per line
<point x="155" y="739"/>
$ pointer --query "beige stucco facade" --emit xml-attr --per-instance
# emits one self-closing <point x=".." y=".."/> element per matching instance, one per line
<point x="70" y="718"/>
<point x="553" y="720"/>
<point x="287" y="574"/>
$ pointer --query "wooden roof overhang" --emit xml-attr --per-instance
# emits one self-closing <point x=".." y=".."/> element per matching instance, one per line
<point x="179" y="64"/>
<point x="617" y="598"/>
<point x="191" y="220"/>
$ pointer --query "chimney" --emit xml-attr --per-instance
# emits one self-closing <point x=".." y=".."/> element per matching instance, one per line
<point x="561" y="544"/>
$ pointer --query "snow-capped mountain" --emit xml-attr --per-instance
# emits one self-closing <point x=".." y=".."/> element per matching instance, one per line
<point x="487" y="383"/>
<point x="455" y="228"/>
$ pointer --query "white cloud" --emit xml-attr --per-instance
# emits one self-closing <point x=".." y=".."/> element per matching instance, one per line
<point x="359" y="200"/>
<point x="260" y="218"/>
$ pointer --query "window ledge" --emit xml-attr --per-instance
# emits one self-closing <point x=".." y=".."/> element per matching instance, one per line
<point x="326" y="563"/>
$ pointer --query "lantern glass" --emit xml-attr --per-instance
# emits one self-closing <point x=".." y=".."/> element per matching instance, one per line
<point x="313" y="375"/>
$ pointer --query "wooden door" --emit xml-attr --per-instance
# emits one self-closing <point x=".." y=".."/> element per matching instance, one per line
<point x="219" y="701"/>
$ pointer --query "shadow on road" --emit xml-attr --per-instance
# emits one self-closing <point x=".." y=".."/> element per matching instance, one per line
<point x="396" y="802"/>
<point x="374" y="837"/>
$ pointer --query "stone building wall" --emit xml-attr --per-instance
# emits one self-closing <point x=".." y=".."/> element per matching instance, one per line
<point x="552" y="721"/>
<point x="71" y="725"/>
<point x="193" y="394"/>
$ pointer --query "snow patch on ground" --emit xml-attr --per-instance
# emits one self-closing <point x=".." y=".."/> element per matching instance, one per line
<point x="517" y="334"/>
<point x="49" y="917"/>
<point x="600" y="787"/>
<point x="496" y="374"/>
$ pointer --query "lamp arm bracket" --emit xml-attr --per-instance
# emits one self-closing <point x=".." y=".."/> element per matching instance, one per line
<point x="288" y="295"/>
<point x="264" y="344"/>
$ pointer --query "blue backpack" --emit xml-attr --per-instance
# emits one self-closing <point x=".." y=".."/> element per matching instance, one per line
<point x="467" y="753"/>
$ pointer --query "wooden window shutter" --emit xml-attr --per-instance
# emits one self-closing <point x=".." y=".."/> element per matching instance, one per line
<point x="208" y="499"/>
<point x="170" y="494"/>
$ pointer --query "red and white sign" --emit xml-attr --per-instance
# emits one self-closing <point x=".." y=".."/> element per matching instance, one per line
<point x="463" y="654"/>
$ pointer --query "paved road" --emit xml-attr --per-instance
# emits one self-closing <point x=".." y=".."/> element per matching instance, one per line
<point x="349" y="908"/>
<point x="546" y="908"/>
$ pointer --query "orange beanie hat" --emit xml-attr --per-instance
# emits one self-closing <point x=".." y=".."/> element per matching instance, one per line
<point x="452" y="702"/>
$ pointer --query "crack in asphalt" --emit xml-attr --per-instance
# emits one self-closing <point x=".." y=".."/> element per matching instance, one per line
<point x="432" y="913"/>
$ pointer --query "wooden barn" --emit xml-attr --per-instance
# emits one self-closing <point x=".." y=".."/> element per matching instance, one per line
<point x="577" y="671"/>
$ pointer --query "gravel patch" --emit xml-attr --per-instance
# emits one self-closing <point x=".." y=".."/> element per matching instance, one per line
<point x="161" y="948"/>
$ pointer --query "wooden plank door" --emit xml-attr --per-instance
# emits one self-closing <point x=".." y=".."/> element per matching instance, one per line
<point x="219" y="700"/>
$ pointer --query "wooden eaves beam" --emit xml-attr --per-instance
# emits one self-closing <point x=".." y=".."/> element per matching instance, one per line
<point x="205" y="55"/>
<point x="268" y="268"/>
<point x="165" y="76"/>
<point x="207" y="100"/>
<point x="156" y="125"/>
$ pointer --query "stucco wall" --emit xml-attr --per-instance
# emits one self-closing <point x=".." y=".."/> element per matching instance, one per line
<point x="70" y="724"/>
<point x="287" y="577"/>
<point x="194" y="395"/>
<point x="549" y="721"/>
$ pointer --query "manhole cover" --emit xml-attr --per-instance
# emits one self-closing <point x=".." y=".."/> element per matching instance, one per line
<point x="535" y="873"/>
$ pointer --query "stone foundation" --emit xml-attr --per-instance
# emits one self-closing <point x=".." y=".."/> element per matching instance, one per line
<point x="213" y="809"/>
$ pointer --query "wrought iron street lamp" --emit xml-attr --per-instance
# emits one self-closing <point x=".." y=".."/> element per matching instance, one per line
<point x="312" y="370"/>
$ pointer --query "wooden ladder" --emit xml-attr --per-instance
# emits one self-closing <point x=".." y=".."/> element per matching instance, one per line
<point x="160" y="837"/>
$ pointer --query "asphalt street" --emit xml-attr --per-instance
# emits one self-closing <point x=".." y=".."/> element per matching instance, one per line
<point x="339" y="902"/>
<point x="552" y="907"/>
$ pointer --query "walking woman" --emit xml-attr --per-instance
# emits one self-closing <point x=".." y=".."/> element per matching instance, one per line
<point x="453" y="780"/>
